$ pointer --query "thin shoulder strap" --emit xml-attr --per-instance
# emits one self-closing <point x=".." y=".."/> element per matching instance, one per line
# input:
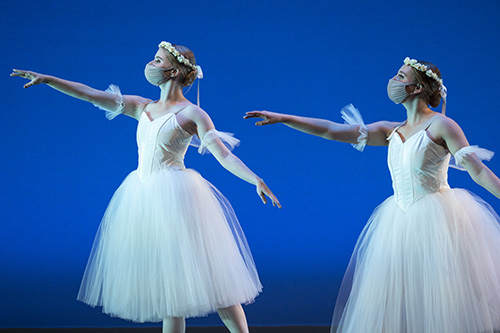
<point x="429" y="125"/>
<point x="394" y="130"/>
<point x="185" y="106"/>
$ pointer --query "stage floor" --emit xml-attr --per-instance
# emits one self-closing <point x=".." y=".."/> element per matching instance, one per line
<point x="275" y="329"/>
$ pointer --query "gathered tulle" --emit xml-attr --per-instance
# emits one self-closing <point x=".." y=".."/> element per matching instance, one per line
<point x="112" y="113"/>
<point x="457" y="160"/>
<point x="434" y="268"/>
<point x="169" y="246"/>
<point x="352" y="116"/>
<point x="227" y="139"/>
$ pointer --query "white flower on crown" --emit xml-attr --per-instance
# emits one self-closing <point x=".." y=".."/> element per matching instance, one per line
<point x="180" y="58"/>
<point x="423" y="68"/>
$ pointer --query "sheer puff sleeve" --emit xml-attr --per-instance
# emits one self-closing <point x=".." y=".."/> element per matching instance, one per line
<point x="481" y="153"/>
<point x="227" y="138"/>
<point x="352" y="116"/>
<point x="119" y="106"/>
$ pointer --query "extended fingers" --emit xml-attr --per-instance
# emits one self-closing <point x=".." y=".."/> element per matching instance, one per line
<point x="263" y="122"/>
<point x="254" y="114"/>
<point x="24" y="74"/>
<point x="21" y="73"/>
<point x="16" y="72"/>
<point x="257" y="114"/>
<point x="276" y="202"/>
<point x="263" y="197"/>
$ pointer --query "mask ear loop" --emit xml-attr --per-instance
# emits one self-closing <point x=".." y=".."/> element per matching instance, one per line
<point x="199" y="76"/>
<point x="444" y="94"/>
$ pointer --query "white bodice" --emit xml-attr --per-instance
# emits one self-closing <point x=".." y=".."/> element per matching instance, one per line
<point x="162" y="144"/>
<point x="418" y="167"/>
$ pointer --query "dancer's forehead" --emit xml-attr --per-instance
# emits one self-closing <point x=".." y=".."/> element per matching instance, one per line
<point x="405" y="69"/>
<point x="160" y="55"/>
<point x="405" y="72"/>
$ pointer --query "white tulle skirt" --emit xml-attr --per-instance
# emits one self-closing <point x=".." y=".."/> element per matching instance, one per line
<point x="169" y="246"/>
<point x="434" y="268"/>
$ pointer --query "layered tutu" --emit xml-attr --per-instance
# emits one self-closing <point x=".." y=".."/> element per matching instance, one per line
<point x="434" y="268"/>
<point x="169" y="246"/>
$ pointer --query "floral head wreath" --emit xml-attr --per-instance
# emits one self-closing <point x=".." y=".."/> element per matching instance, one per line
<point x="423" y="68"/>
<point x="183" y="60"/>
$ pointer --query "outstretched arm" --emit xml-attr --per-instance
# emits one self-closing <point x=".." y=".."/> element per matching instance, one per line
<point x="132" y="105"/>
<point x="456" y="141"/>
<point x="206" y="132"/>
<point x="377" y="132"/>
<point x="481" y="174"/>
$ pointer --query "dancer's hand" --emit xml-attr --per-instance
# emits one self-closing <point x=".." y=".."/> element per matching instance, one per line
<point x="35" y="78"/>
<point x="269" y="117"/>
<point x="263" y="190"/>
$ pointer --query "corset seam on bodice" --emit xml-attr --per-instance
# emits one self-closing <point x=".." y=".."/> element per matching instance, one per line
<point x="153" y="151"/>
<point x="418" y="167"/>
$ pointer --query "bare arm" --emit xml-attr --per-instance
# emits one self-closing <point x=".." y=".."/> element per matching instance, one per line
<point x="204" y="129"/>
<point x="455" y="140"/>
<point x="132" y="105"/>
<point x="481" y="174"/>
<point x="377" y="132"/>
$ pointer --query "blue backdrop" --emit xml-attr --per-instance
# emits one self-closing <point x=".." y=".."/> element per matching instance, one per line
<point x="61" y="160"/>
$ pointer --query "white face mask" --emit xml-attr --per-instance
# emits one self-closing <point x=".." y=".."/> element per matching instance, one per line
<point x="396" y="90"/>
<point x="156" y="75"/>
